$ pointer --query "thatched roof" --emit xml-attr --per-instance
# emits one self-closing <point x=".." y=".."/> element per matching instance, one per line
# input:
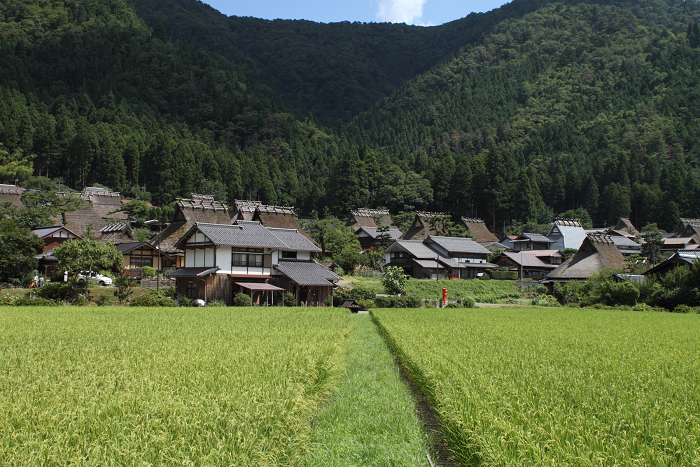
<point x="364" y="217"/>
<point x="692" y="230"/>
<point x="624" y="224"/>
<point x="245" y="209"/>
<point x="421" y="229"/>
<point x="104" y="202"/>
<point x="282" y="217"/>
<point x="79" y="220"/>
<point x="597" y="252"/>
<point x="477" y="228"/>
<point x="11" y="193"/>
<point x="199" y="208"/>
<point x="684" y="222"/>
<point x="116" y="233"/>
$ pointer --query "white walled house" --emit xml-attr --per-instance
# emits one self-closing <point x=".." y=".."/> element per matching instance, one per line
<point x="222" y="260"/>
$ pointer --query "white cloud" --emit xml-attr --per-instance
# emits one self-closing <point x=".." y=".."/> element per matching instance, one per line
<point x="400" y="11"/>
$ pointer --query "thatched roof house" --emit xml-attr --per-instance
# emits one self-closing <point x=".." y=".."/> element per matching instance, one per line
<point x="680" y="258"/>
<point x="625" y="225"/>
<point x="691" y="230"/>
<point x="421" y="228"/>
<point x="478" y="229"/>
<point x="116" y="233"/>
<point x="105" y="203"/>
<point x="244" y="209"/>
<point x="684" y="222"/>
<point x="282" y="217"/>
<point x="366" y="218"/>
<point x="199" y="208"/>
<point x="13" y="194"/>
<point x="80" y="220"/>
<point x="597" y="252"/>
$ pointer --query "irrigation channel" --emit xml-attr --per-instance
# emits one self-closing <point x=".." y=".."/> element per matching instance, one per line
<point x="376" y="416"/>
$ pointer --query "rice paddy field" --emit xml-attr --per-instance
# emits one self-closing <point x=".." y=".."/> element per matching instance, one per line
<point x="174" y="386"/>
<point x="563" y="387"/>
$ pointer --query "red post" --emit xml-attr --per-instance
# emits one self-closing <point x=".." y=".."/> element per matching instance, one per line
<point x="444" y="297"/>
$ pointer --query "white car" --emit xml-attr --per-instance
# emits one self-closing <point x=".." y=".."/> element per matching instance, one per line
<point x="97" y="278"/>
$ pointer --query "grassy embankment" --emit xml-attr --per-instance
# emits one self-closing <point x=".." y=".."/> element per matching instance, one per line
<point x="370" y="419"/>
<point x="546" y="386"/>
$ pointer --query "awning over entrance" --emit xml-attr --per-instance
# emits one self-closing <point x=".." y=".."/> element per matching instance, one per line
<point x="193" y="272"/>
<point x="249" y="276"/>
<point x="258" y="286"/>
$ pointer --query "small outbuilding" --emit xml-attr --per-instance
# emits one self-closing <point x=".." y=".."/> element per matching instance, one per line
<point x="352" y="305"/>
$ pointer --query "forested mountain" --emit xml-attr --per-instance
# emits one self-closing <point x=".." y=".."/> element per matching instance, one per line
<point x="571" y="106"/>
<point x="545" y="108"/>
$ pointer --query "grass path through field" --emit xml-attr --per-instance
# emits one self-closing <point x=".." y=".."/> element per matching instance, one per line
<point x="371" y="419"/>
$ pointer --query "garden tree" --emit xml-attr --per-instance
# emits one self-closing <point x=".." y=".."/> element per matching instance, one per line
<point x="18" y="246"/>
<point x="124" y="284"/>
<point x="87" y="255"/>
<point x="383" y="238"/>
<point x="651" y="248"/>
<point x="41" y="206"/>
<point x="323" y="231"/>
<point x="394" y="280"/>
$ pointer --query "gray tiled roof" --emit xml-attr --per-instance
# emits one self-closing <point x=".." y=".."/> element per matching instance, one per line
<point x="193" y="272"/>
<point x="458" y="244"/>
<point x="394" y="233"/>
<point x="294" y="240"/>
<point x="417" y="249"/>
<point x="307" y="273"/>
<point x="242" y="234"/>
<point x="45" y="231"/>
<point x="533" y="237"/>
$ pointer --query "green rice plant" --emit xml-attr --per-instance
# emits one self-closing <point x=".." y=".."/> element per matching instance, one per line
<point x="152" y="386"/>
<point x="557" y="386"/>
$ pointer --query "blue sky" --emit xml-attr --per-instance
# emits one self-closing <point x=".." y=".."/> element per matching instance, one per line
<point x="419" y="12"/>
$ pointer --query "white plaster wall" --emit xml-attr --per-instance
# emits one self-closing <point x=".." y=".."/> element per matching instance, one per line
<point x="223" y="258"/>
<point x="209" y="257"/>
<point x="189" y="258"/>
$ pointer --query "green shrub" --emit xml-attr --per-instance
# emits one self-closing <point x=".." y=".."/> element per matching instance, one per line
<point x="469" y="302"/>
<point x="33" y="301"/>
<point x="502" y="274"/>
<point x="541" y="289"/>
<point x="394" y="280"/>
<point x="241" y="299"/>
<point x="145" y="300"/>
<point x="217" y="303"/>
<point x="394" y="301"/>
<point x="290" y="299"/>
<point x="80" y="300"/>
<point x="148" y="271"/>
<point x="366" y="304"/>
<point x="545" y="300"/>
<point x="59" y="291"/>
<point x="454" y="305"/>
<point x="6" y="299"/>
<point x="620" y="293"/>
<point x="166" y="302"/>
<point x="186" y="301"/>
<point x="104" y="300"/>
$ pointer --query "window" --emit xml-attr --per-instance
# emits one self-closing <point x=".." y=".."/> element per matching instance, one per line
<point x="252" y="257"/>
<point x="289" y="255"/>
<point x="139" y="262"/>
<point x="191" y="291"/>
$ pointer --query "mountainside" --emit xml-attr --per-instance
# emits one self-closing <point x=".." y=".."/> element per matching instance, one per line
<point x="334" y="71"/>
<point x="571" y="106"/>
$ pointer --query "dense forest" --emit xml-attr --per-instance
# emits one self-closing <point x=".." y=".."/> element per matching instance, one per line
<point x="515" y="115"/>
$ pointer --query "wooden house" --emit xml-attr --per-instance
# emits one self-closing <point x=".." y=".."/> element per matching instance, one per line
<point x="140" y="254"/>
<point x="566" y="234"/>
<point x="597" y="252"/>
<point x="52" y="237"/>
<point x="471" y="257"/>
<point x="531" y="241"/>
<point x="677" y="243"/>
<point x="199" y="208"/>
<point x="477" y="228"/>
<point x="424" y="224"/>
<point x="534" y="264"/>
<point x="682" y="225"/>
<point x="365" y="217"/>
<point x="367" y="236"/>
<point x="680" y="258"/>
<point x="221" y="260"/>
<point x="691" y="230"/>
